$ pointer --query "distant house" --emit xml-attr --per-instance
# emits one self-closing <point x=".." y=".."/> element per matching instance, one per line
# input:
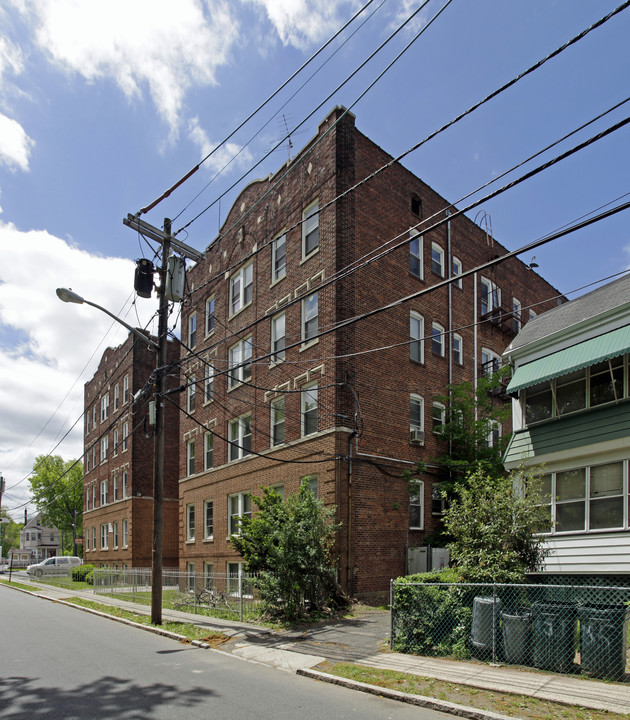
<point x="40" y="541"/>
<point x="572" y="416"/>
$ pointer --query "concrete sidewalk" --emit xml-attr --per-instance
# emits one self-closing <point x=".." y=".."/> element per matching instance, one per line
<point x="360" y="641"/>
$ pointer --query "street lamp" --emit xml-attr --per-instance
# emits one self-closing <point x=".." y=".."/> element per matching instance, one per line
<point x="69" y="296"/>
<point x="158" y="469"/>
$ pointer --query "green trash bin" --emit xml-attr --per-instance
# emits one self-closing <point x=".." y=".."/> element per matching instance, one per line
<point x="604" y="640"/>
<point x="554" y="636"/>
<point x="516" y="629"/>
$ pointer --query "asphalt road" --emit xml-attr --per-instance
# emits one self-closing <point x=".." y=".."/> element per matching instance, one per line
<point x="59" y="662"/>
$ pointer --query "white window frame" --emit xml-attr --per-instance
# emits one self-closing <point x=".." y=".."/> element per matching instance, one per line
<point x="191" y="393"/>
<point x="125" y="436"/>
<point x="104" y="407"/>
<point x="192" y="331"/>
<point x="125" y="532"/>
<point x="208" y="384"/>
<point x="517" y="309"/>
<point x="310" y="226"/>
<point x="416" y="243"/>
<point x="115" y="442"/>
<point x="278" y="337"/>
<point x="487" y="357"/>
<point x="310" y="319"/>
<point x="125" y="389"/>
<point x="416" y="335"/>
<point x="418" y="497"/>
<point x="104" y="448"/>
<point x="190" y="522"/>
<point x="239" y="438"/>
<point x="190" y="457"/>
<point x="309" y="409"/>
<point x="125" y="481"/>
<point x="278" y="409"/>
<point x="456" y="270"/>
<point x="116" y="397"/>
<point x="239" y="505"/>
<point x="208" y="527"/>
<point x="416" y="401"/>
<point x="208" y="451"/>
<point x="490" y="298"/>
<point x="437" y="259"/>
<point x="441" y="412"/>
<point x="241" y="288"/>
<point x="104" y="489"/>
<point x="94" y="538"/>
<point x="239" y="362"/>
<point x="210" y="317"/>
<point x="115" y="486"/>
<point x="438" y="339"/>
<point x="208" y="574"/>
<point x="458" y="349"/>
<point x="115" y="531"/>
<point x="104" y="545"/>
<point x="278" y="271"/>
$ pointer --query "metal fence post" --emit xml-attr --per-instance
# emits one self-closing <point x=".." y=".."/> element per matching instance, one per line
<point x="391" y="614"/>
<point x="494" y="622"/>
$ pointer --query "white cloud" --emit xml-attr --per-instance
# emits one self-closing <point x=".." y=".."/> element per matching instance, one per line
<point x="166" y="46"/>
<point x="227" y="154"/>
<point x="302" y="22"/>
<point x="15" y="144"/>
<point x="51" y="342"/>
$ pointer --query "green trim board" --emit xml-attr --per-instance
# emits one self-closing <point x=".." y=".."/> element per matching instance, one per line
<point x="579" y="356"/>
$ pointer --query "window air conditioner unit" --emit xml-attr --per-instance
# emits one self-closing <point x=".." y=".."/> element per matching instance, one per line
<point x="416" y="437"/>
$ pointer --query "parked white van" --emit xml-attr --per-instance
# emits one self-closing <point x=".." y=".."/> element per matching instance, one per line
<point x="58" y="565"/>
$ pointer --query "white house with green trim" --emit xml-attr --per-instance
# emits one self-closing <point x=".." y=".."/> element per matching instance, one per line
<point x="571" y="415"/>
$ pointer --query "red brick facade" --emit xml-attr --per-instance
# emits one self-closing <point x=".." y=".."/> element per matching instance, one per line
<point x="357" y="441"/>
<point x="118" y="462"/>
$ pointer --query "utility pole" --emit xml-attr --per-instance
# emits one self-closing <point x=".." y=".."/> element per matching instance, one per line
<point x="167" y="241"/>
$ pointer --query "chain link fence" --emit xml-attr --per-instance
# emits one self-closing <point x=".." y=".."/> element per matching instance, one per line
<point x="562" y="628"/>
<point x="232" y="596"/>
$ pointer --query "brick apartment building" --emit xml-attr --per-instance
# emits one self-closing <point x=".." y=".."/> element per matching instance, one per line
<point x="271" y="401"/>
<point x="118" y="462"/>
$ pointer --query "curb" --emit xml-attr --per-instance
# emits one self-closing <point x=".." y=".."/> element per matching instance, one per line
<point x="418" y="700"/>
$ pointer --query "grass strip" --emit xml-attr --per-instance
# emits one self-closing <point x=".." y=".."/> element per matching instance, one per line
<point x="519" y="706"/>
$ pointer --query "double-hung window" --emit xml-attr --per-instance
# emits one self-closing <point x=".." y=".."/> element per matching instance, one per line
<point x="115" y="486"/>
<point x="416" y="335"/>
<point x="125" y="435"/>
<point x="208" y="520"/>
<point x="104" y="484"/>
<point x="208" y="451"/>
<point x="104" y="536"/>
<point x="437" y="339"/>
<point x="115" y="448"/>
<point x="239" y="506"/>
<point x="104" y="448"/>
<point x="309" y="408"/>
<point x="438" y="417"/>
<point x="190" y="457"/>
<point x="490" y="296"/>
<point x="125" y="483"/>
<point x="310" y="229"/>
<point x="458" y="349"/>
<point x="210" y="315"/>
<point x="115" y="530"/>
<point x="416" y="505"/>
<point x="208" y="384"/>
<point x="416" y="412"/>
<point x="104" y="407"/>
<point x="116" y="397"/>
<point x="277" y="421"/>
<point x="517" y="309"/>
<point x="191" y="393"/>
<point x="241" y="288"/>
<point x="192" y="331"/>
<point x="125" y="389"/>
<point x="125" y="532"/>
<point x="310" y="318"/>
<point x="456" y="271"/>
<point x="240" y="437"/>
<point x="490" y="362"/>
<point x="415" y="254"/>
<point x="240" y="362"/>
<point x="190" y="522"/>
<point x="278" y="337"/>
<point x="279" y="257"/>
<point x="437" y="259"/>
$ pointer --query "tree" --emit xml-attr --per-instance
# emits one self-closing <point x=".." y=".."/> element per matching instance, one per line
<point x="57" y="490"/>
<point x="10" y="531"/>
<point x="494" y="524"/>
<point x="472" y="417"/>
<point x="288" y="544"/>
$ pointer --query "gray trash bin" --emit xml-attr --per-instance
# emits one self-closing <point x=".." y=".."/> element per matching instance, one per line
<point x="516" y="630"/>
<point x="485" y="626"/>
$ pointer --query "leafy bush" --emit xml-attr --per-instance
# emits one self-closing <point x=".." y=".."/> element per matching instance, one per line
<point x="429" y="619"/>
<point x="83" y="573"/>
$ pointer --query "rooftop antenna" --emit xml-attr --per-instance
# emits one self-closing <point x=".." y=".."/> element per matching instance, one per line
<point x="290" y="143"/>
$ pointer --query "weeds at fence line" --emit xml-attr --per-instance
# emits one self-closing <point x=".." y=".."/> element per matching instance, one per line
<point x="562" y="628"/>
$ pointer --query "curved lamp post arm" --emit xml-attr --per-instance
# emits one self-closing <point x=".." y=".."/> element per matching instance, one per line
<point x="69" y="296"/>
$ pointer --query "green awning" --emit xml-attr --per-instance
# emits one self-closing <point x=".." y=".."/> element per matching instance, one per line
<point x="579" y="356"/>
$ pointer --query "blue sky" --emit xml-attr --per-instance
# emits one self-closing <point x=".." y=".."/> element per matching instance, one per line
<point x="104" y="104"/>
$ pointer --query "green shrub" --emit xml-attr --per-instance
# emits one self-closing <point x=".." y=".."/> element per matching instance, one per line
<point x="81" y="573"/>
